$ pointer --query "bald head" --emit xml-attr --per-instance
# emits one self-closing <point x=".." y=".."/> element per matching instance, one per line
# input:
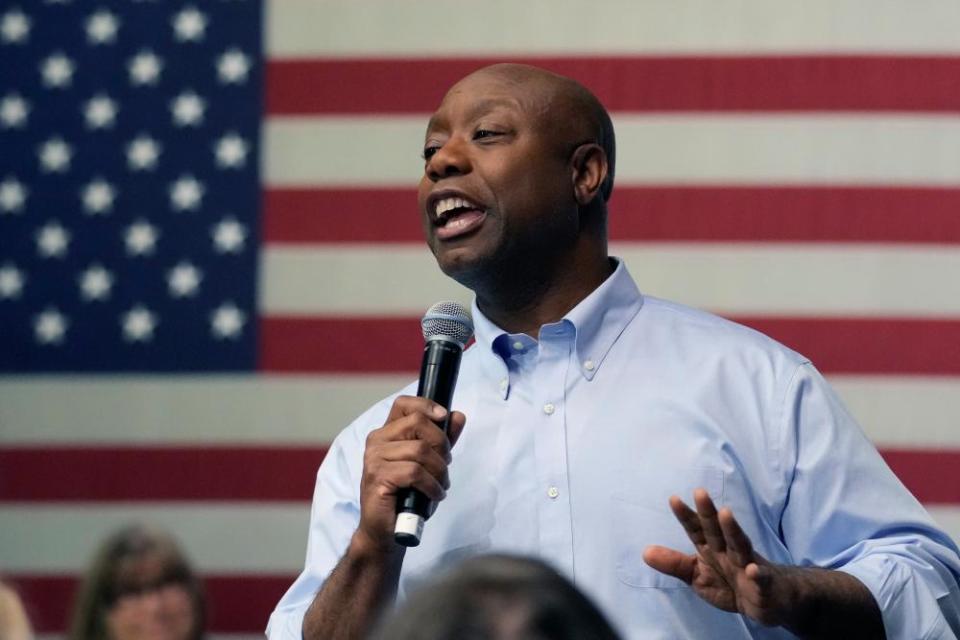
<point x="564" y="107"/>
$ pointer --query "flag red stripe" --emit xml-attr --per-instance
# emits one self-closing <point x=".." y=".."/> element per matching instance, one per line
<point x="869" y="345"/>
<point x="227" y="474"/>
<point x="930" y="474"/>
<point x="836" y="345"/>
<point x="651" y="213"/>
<point x="633" y="83"/>
<point x="270" y="474"/>
<point x="235" y="603"/>
<point x="340" y="344"/>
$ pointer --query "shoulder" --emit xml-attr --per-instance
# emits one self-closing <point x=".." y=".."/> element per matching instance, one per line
<point x="700" y="336"/>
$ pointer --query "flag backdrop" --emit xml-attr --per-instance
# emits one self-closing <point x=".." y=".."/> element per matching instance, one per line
<point x="210" y="255"/>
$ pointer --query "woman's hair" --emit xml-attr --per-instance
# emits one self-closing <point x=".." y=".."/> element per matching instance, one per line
<point x="111" y="576"/>
<point x="497" y="597"/>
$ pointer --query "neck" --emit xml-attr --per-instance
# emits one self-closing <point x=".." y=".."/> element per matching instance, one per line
<point x="523" y="305"/>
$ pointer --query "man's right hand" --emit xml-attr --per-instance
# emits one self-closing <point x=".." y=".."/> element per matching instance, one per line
<point x="410" y="450"/>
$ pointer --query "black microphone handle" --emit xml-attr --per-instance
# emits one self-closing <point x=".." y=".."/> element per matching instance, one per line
<point x="438" y="378"/>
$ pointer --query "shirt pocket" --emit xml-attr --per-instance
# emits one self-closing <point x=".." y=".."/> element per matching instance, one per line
<point x="643" y="517"/>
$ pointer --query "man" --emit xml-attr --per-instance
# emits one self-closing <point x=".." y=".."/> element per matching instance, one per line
<point x="590" y="405"/>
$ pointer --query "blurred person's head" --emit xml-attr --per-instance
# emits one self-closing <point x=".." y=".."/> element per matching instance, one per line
<point x="497" y="597"/>
<point x="139" y="586"/>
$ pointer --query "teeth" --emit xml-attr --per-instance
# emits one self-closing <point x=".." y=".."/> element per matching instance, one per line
<point x="449" y="204"/>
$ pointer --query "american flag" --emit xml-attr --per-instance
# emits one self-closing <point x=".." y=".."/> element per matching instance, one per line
<point x="211" y="260"/>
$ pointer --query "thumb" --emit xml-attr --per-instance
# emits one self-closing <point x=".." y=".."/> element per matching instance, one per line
<point x="455" y="426"/>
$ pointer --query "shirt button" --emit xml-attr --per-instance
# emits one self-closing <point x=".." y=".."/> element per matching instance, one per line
<point x="549" y="409"/>
<point x="553" y="492"/>
<point x="588" y="365"/>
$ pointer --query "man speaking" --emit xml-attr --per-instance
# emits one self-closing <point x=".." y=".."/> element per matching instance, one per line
<point x="694" y="477"/>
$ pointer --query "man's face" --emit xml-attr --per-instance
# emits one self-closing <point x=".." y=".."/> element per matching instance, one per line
<point x="496" y="192"/>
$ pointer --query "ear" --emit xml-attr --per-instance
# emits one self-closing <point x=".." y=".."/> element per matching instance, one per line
<point x="589" y="164"/>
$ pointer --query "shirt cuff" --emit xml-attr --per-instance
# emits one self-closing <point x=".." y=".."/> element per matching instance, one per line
<point x="909" y="608"/>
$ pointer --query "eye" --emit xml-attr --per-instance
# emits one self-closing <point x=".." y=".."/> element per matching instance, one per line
<point x="430" y="151"/>
<point x="481" y="134"/>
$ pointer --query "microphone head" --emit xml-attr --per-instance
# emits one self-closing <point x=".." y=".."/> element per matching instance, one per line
<point x="447" y="320"/>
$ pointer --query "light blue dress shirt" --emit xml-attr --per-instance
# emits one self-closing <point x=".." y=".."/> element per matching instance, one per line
<point x="574" y="442"/>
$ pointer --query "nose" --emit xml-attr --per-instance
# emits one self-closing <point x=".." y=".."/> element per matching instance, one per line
<point x="451" y="159"/>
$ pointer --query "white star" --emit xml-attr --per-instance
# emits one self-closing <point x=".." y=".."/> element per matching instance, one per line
<point x="12" y="195"/>
<point x="14" y="26"/>
<point x="142" y="153"/>
<point x="189" y="25"/>
<point x="98" y="197"/>
<point x="231" y="151"/>
<point x="52" y="240"/>
<point x="54" y="155"/>
<point x="227" y="321"/>
<point x="140" y="238"/>
<point x="233" y="66"/>
<point x="138" y="324"/>
<point x="50" y="326"/>
<point x="100" y="112"/>
<point x="185" y="193"/>
<point x="13" y="111"/>
<point x="95" y="283"/>
<point x="184" y="280"/>
<point x="11" y="282"/>
<point x="144" y="68"/>
<point x="229" y="236"/>
<point x="57" y="70"/>
<point x="187" y="109"/>
<point x="102" y="27"/>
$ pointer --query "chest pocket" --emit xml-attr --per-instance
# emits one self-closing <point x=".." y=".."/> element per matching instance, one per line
<point x="643" y="517"/>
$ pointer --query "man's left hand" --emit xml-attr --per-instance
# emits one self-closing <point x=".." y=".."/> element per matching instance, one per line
<point x="725" y="570"/>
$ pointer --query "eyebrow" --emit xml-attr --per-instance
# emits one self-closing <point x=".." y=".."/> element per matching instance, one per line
<point x="481" y="107"/>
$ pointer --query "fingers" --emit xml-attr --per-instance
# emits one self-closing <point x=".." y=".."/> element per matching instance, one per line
<point x="690" y="521"/>
<point x="420" y="452"/>
<point x="739" y="547"/>
<point x="407" y="405"/>
<point x="708" y="520"/>
<point x="455" y="426"/>
<point x="416" y="419"/>
<point x="719" y="531"/>
<point x="409" y="450"/>
<point x="671" y="562"/>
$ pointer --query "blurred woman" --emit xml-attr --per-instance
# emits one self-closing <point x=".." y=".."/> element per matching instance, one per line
<point x="140" y="586"/>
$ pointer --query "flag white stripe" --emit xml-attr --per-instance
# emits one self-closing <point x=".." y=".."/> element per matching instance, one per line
<point x="50" y="540"/>
<point x="795" y="279"/>
<point x="651" y="149"/>
<point x="904" y="411"/>
<point x="212" y="409"/>
<point x="301" y="28"/>
<point x="256" y="538"/>
<point x="895" y="411"/>
<point x="948" y="518"/>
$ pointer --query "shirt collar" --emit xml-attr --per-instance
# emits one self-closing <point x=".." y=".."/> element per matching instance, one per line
<point x="598" y="320"/>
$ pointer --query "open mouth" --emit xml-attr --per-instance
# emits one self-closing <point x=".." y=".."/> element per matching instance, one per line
<point x="456" y="216"/>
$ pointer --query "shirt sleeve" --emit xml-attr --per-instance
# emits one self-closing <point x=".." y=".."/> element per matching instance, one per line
<point x="846" y="510"/>
<point x="334" y="517"/>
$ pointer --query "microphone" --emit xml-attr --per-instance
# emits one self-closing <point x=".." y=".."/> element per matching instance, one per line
<point x="447" y="328"/>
